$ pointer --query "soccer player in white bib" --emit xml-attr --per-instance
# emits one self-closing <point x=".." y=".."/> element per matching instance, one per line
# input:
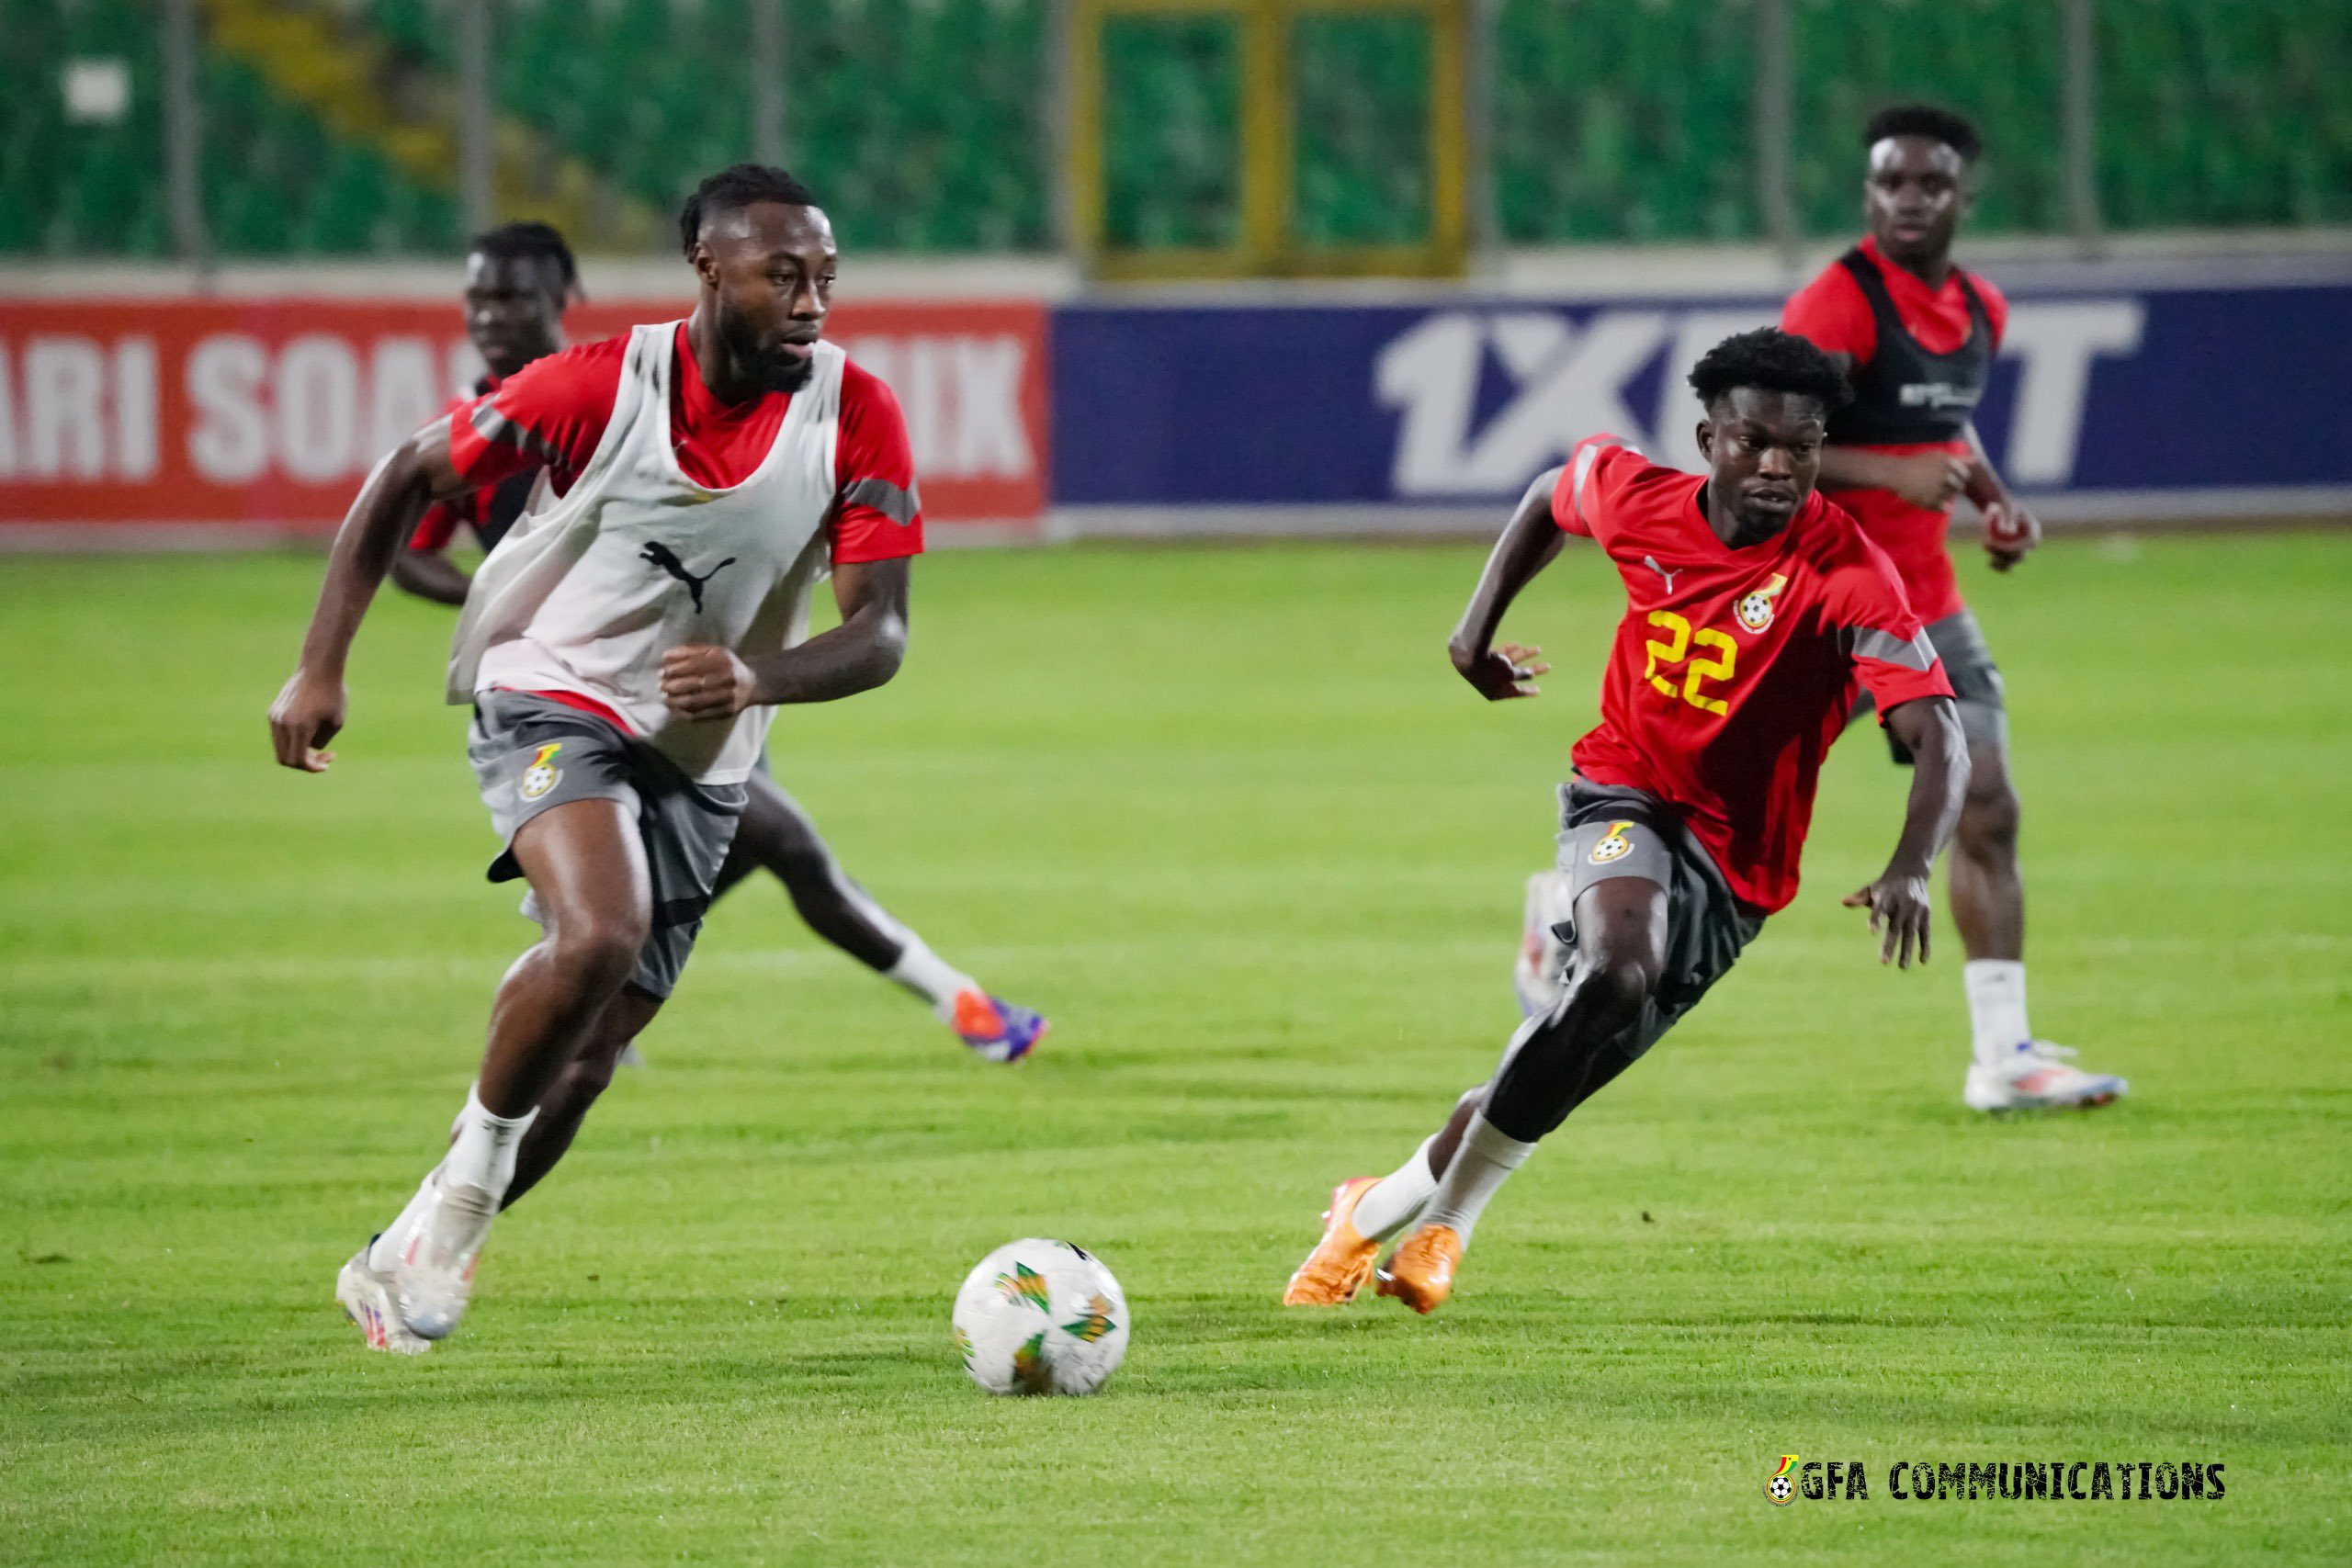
<point x="623" y="653"/>
<point x="519" y="278"/>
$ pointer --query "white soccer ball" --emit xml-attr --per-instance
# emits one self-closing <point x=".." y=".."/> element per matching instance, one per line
<point x="1040" y="1316"/>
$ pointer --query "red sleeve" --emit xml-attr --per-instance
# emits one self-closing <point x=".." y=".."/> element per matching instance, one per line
<point x="436" y="528"/>
<point x="1890" y="647"/>
<point x="1831" y="311"/>
<point x="1997" y="308"/>
<point x="1595" y="466"/>
<point x="879" y="515"/>
<point x="552" y="414"/>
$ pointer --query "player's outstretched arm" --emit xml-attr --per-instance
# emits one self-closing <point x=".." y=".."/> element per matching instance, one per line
<point x="1528" y="542"/>
<point x="703" y="682"/>
<point x="2011" y="530"/>
<point x="310" y="707"/>
<point x="1930" y="729"/>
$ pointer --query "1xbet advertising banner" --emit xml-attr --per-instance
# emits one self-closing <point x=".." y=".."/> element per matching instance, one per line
<point x="271" y="411"/>
<point x="2148" y="403"/>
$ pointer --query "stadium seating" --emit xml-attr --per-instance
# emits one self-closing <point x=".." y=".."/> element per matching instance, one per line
<point x="920" y="121"/>
<point x="1361" y="144"/>
<point x="1171" y="131"/>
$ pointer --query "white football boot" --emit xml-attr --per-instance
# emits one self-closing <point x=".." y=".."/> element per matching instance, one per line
<point x="366" y="1293"/>
<point x="2037" y="1076"/>
<point x="1543" y="956"/>
<point x="434" y="1275"/>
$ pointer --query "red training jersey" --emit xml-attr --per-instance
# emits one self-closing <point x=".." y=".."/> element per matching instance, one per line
<point x="1735" y="669"/>
<point x="1832" y="312"/>
<point x="552" y="412"/>
<point x="439" y="525"/>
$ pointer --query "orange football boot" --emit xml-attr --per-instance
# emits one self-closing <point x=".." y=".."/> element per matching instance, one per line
<point x="1421" y="1271"/>
<point x="1342" y="1261"/>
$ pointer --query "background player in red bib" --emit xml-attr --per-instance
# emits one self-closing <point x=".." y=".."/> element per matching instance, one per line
<point x="1754" y="608"/>
<point x="518" y="280"/>
<point x="1916" y="336"/>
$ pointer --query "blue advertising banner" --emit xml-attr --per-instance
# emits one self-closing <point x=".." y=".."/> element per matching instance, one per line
<point x="2152" y="402"/>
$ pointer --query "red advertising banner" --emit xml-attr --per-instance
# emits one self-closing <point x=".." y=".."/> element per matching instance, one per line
<point x="269" y="412"/>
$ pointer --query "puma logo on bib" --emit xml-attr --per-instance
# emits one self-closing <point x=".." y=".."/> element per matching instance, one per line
<point x="661" y="555"/>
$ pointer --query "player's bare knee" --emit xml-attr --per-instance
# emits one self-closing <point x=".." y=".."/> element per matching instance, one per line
<point x="1988" y="819"/>
<point x="1609" y="989"/>
<point x="596" y="950"/>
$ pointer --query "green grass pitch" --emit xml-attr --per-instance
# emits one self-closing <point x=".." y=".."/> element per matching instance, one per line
<point x="1229" y="817"/>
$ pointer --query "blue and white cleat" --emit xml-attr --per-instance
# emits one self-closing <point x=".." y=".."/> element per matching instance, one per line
<point x="996" y="1029"/>
<point x="366" y="1296"/>
<point x="2037" y="1076"/>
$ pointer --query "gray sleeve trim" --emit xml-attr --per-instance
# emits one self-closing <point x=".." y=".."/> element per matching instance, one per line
<point x="497" y="429"/>
<point x="1914" y="654"/>
<point x="900" y="506"/>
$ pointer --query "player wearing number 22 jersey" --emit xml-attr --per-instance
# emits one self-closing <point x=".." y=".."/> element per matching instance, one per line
<point x="1735" y="669"/>
<point x="1755" y="610"/>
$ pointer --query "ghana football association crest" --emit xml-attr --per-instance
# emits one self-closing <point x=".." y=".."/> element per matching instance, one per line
<point x="1613" y="845"/>
<point x="542" y="775"/>
<point x="1755" y="610"/>
<point x="1781" y="1488"/>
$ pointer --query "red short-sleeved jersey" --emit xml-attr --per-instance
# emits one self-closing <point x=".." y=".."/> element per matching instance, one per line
<point x="439" y="525"/>
<point x="1734" y="669"/>
<point x="553" y="411"/>
<point x="1832" y="313"/>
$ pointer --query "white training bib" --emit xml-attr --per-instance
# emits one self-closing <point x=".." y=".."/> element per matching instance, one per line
<point x="588" y="595"/>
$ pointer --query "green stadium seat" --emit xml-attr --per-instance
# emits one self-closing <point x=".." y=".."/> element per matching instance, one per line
<point x="921" y="120"/>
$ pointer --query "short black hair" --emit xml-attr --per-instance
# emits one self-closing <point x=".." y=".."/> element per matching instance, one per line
<point x="1925" y="120"/>
<point x="1774" y="361"/>
<point x="529" y="242"/>
<point x="731" y="190"/>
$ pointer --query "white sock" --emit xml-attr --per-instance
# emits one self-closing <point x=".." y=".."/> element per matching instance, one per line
<point x="932" y="977"/>
<point x="1996" y="1006"/>
<point x="385" y="1250"/>
<point x="1389" y="1207"/>
<point x="1477" y="1172"/>
<point x="483" y="1153"/>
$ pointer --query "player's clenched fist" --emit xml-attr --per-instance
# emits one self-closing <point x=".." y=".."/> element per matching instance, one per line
<point x="1899" y="906"/>
<point x="2011" y="531"/>
<point x="306" y="716"/>
<point x="702" y="682"/>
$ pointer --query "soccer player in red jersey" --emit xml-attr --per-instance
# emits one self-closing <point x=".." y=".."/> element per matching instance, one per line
<point x="1916" y="336"/>
<point x="624" y="654"/>
<point x="518" y="280"/>
<point x="1754" y="609"/>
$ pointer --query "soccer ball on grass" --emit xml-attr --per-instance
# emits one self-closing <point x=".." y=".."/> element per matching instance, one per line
<point x="1038" y="1316"/>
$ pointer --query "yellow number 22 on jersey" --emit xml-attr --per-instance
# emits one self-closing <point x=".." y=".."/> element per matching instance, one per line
<point x="1680" y="640"/>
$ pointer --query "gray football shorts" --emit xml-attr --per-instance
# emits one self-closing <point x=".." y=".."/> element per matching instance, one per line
<point x="1976" y="679"/>
<point x="1609" y="831"/>
<point x="530" y="755"/>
